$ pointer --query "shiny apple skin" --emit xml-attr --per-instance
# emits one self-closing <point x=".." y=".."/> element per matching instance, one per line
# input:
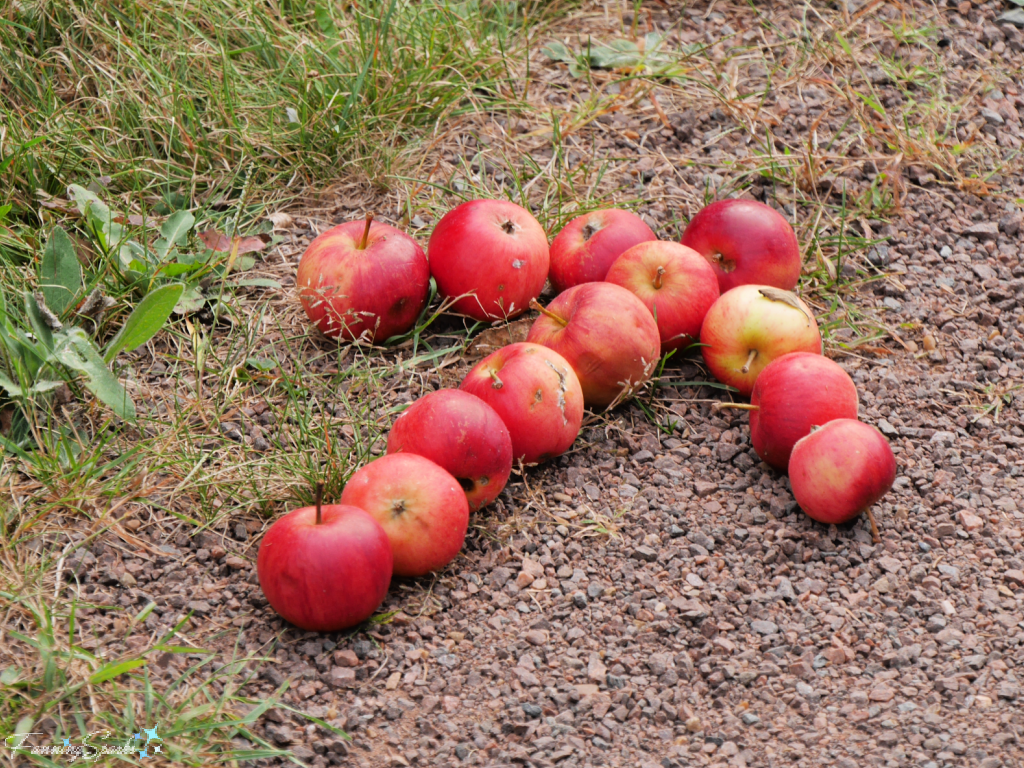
<point x="421" y="507"/>
<point x="378" y="291"/>
<point x="586" y="247"/>
<point x="682" y="296"/>
<point x="610" y="340"/>
<point x="461" y="434"/>
<point x="794" y="393"/>
<point x="746" y="242"/>
<point x="493" y="249"/>
<point x="742" y="320"/>
<point x="840" y="470"/>
<point x="326" y="577"/>
<point x="537" y="395"/>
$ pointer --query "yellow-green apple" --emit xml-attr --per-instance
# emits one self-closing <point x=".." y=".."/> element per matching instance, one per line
<point x="747" y="243"/>
<point x="461" y="434"/>
<point x="792" y="394"/>
<point x="421" y="507"/>
<point x="491" y="257"/>
<point x="537" y="395"/>
<point x="587" y="245"/>
<point x="608" y="336"/>
<point x="363" y="279"/>
<point x="325" y="569"/>
<point x="675" y="283"/>
<point x="840" y="470"/>
<point x="750" y="326"/>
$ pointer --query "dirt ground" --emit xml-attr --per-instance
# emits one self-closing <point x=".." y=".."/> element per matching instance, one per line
<point x="655" y="597"/>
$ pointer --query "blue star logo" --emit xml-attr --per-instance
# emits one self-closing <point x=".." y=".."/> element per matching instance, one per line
<point x="137" y="736"/>
<point x="151" y="734"/>
<point x="67" y="742"/>
<point x="142" y="753"/>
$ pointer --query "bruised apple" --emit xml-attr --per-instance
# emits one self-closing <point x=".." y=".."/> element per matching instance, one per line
<point x="608" y="336"/>
<point x="537" y="395"/>
<point x="363" y="280"/>
<point x="421" y="507"/>
<point x="588" y="245"/>
<point x="840" y="470"/>
<point x="750" y="326"/>
<point x="461" y="434"/>
<point x="792" y="394"/>
<point x="325" y="569"/>
<point x="491" y="257"/>
<point x="746" y="242"/>
<point x="675" y="283"/>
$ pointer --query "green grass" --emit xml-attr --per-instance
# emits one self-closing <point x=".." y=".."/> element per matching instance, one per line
<point x="168" y="105"/>
<point x="238" y="106"/>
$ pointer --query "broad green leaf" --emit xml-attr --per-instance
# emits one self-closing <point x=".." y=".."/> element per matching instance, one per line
<point x="261" y="363"/>
<point x="146" y="320"/>
<point x="174" y="231"/>
<point x="871" y="101"/>
<point x="35" y="318"/>
<point x="44" y="386"/>
<point x="192" y="300"/>
<point x="173" y="270"/>
<point x="556" y="50"/>
<point x="112" y="670"/>
<point x="324" y="21"/>
<point x="77" y="352"/>
<point x="10" y="387"/>
<point x="256" y="282"/>
<point x="24" y="726"/>
<point x="9" y="675"/>
<point x="60" y="274"/>
<point x="90" y="206"/>
<point x="4" y="210"/>
<point x="130" y="253"/>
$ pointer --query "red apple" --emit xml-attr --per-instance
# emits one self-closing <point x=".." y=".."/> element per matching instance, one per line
<point x="794" y="393"/>
<point x="461" y="434"/>
<point x="587" y="245"/>
<point x="747" y="243"/>
<point x="537" y="395"/>
<point x="608" y="336"/>
<point x="490" y="255"/>
<point x="675" y="283"/>
<point x="363" y="279"/>
<point x="750" y="326"/>
<point x="325" y="569"/>
<point x="840" y="470"/>
<point x="422" y="508"/>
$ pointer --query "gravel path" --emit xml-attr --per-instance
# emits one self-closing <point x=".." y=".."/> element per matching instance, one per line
<point x="657" y="599"/>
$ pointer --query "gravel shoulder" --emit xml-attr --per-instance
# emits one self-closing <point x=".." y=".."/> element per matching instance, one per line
<point x="655" y="597"/>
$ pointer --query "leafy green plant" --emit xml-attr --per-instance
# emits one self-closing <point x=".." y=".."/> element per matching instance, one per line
<point x="141" y="267"/>
<point x="647" y="56"/>
<point x="44" y="350"/>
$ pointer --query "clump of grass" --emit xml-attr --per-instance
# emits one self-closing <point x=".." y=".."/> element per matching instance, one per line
<point x="167" y="103"/>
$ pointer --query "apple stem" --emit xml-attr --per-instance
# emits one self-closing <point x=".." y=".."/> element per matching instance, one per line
<point x="366" y="232"/>
<point x="319" y="501"/>
<point x="737" y="406"/>
<point x="498" y="383"/>
<point x="657" y="277"/>
<point x="750" y="359"/>
<point x="875" y="537"/>
<point x="534" y="304"/>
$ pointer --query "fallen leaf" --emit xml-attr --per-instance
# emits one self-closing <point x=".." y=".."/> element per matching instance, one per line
<point x="280" y="219"/>
<point x="216" y="240"/>
<point x="786" y="297"/>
